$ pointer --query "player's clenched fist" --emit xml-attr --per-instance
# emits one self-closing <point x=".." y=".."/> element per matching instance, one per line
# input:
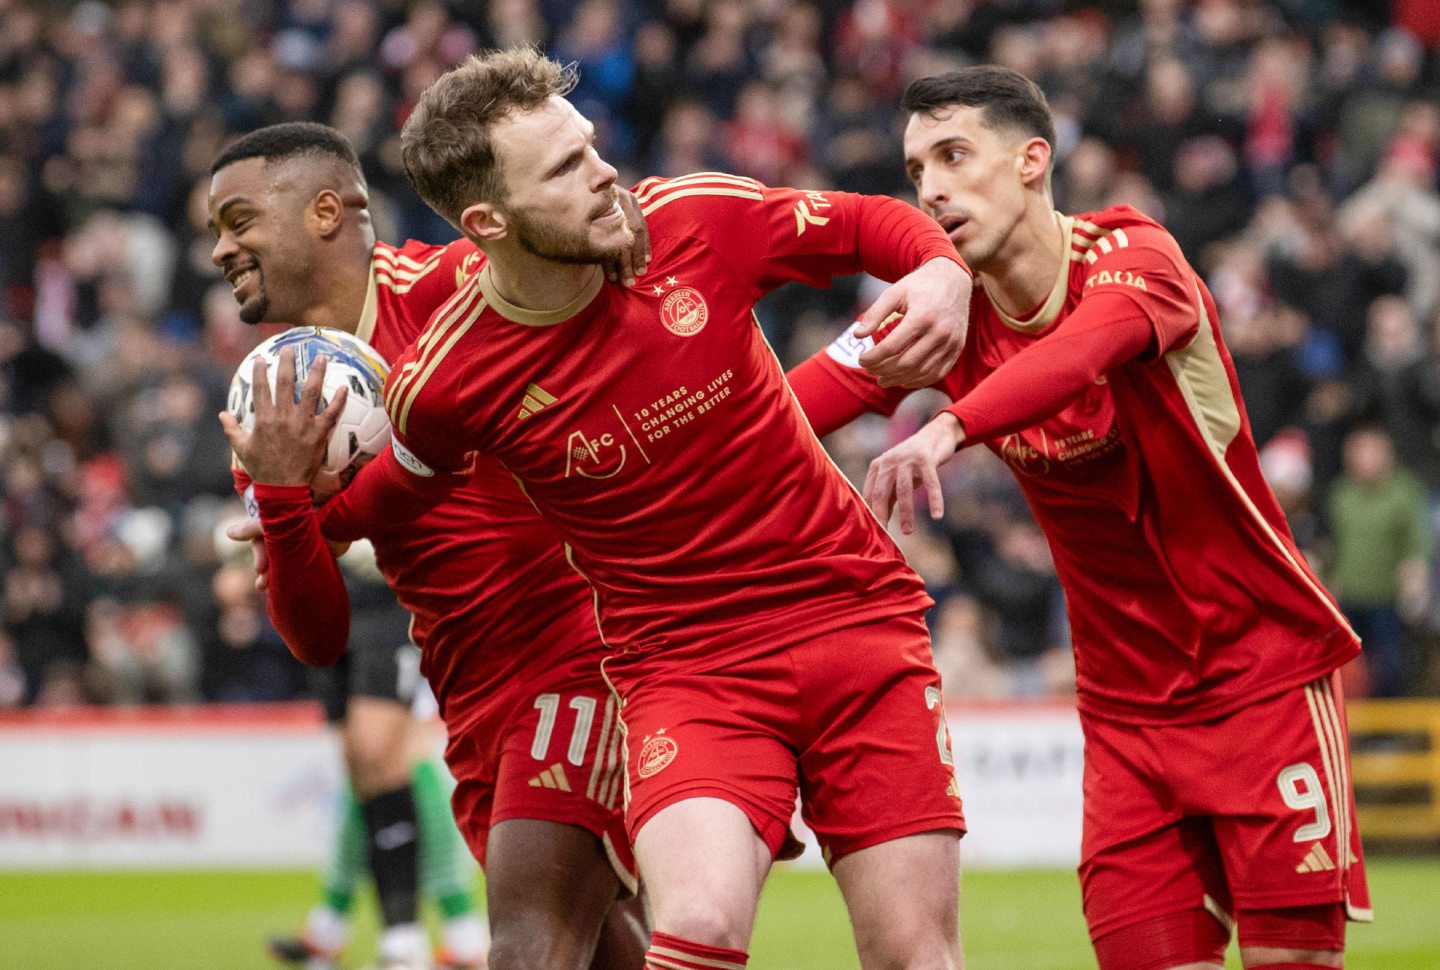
<point x="934" y="302"/>
<point x="914" y="462"/>
<point x="287" y="445"/>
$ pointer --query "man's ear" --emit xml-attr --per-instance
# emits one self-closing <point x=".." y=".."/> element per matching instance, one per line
<point x="326" y="213"/>
<point x="485" y="222"/>
<point x="1035" y="161"/>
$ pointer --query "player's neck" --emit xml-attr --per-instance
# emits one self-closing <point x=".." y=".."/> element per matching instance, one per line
<point x="340" y="294"/>
<point x="1023" y="273"/>
<point x="533" y="283"/>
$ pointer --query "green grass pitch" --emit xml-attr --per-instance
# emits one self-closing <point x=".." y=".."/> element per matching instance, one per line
<point x="1027" y="920"/>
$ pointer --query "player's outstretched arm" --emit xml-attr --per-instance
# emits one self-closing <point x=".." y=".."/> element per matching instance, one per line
<point x="913" y="463"/>
<point x="307" y="600"/>
<point x="934" y="303"/>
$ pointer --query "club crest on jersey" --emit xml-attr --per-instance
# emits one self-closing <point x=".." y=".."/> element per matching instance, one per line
<point x="684" y="312"/>
<point x="656" y="754"/>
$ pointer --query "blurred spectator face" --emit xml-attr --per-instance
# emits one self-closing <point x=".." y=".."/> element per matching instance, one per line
<point x="355" y="27"/>
<point x="266" y="217"/>
<point x="1285" y="463"/>
<point x="968" y="176"/>
<point x="1400" y="58"/>
<point x="654" y="45"/>
<point x="34" y="549"/>
<point x="1369" y="455"/>
<point x="1392" y="335"/>
<point x="1020" y="49"/>
<point x="1204" y="163"/>
<point x="1090" y="167"/>
<point x="1169" y="92"/>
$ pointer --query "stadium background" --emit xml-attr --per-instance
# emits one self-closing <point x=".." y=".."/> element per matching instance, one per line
<point x="1292" y="146"/>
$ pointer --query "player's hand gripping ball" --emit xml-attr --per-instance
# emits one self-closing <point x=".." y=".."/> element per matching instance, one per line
<point x="363" y="429"/>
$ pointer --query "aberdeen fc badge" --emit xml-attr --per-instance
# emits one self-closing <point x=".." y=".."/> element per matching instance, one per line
<point x="684" y="312"/>
<point x="656" y="754"/>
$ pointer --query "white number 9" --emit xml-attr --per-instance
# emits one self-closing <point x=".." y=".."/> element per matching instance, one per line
<point x="1307" y="797"/>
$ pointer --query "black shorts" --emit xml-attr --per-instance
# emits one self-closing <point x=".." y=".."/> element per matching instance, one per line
<point x="380" y="662"/>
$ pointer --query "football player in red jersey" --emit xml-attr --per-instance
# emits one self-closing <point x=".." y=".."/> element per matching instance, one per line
<point x="767" y="634"/>
<point x="506" y="627"/>
<point x="1095" y="368"/>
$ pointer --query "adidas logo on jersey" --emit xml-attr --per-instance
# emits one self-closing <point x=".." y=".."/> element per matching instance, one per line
<point x="552" y="777"/>
<point x="536" y="399"/>
<point x="1316" y="860"/>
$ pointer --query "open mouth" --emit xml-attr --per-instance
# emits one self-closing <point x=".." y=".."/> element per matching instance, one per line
<point x="237" y="278"/>
<point x="953" y="224"/>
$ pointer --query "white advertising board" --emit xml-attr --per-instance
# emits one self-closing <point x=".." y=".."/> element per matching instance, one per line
<point x="166" y="791"/>
<point x="259" y="787"/>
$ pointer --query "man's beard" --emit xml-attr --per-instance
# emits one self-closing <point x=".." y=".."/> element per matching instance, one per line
<point x="256" y="309"/>
<point x="549" y="241"/>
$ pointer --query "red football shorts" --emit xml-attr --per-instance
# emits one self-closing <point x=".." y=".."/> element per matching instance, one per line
<point x="1253" y="810"/>
<point x="852" y="720"/>
<point x="549" y="750"/>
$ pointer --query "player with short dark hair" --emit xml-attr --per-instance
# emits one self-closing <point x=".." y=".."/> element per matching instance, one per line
<point x="766" y="634"/>
<point x="506" y="628"/>
<point x="1096" y="369"/>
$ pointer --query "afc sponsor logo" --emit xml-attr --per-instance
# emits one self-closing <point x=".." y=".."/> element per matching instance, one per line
<point x="597" y="456"/>
<point x="1121" y="277"/>
<point x="1024" y="458"/>
<point x="807" y="212"/>
<point x="1057" y="451"/>
<point x="656" y="753"/>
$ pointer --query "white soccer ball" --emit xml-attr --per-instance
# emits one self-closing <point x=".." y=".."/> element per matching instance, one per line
<point x="364" y="428"/>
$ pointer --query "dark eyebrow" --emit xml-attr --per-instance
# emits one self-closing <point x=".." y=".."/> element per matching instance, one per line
<point x="589" y="140"/>
<point x="564" y="161"/>
<point x="225" y="207"/>
<point x="938" y="146"/>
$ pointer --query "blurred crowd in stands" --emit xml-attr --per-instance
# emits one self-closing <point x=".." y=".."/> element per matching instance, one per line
<point x="1290" y="145"/>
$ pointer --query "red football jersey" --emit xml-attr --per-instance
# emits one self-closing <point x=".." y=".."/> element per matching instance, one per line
<point x="481" y="573"/>
<point x="653" y="424"/>
<point x="1187" y="595"/>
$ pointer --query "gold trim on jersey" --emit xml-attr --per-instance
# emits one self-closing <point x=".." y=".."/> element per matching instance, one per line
<point x="537" y="318"/>
<point x="650" y="188"/>
<point x="602" y="749"/>
<point x="365" y="329"/>
<point x="414" y="374"/>
<point x="1055" y="302"/>
<point x="400" y="272"/>
<point x="400" y="261"/>
<point x="594" y="593"/>
<point x="1213" y="907"/>
<point x="658" y="194"/>
<point x="1203" y="382"/>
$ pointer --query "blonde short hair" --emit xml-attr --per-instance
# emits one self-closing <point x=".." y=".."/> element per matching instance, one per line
<point x="446" y="144"/>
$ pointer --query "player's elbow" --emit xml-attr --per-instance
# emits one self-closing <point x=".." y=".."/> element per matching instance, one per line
<point x="320" y="646"/>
